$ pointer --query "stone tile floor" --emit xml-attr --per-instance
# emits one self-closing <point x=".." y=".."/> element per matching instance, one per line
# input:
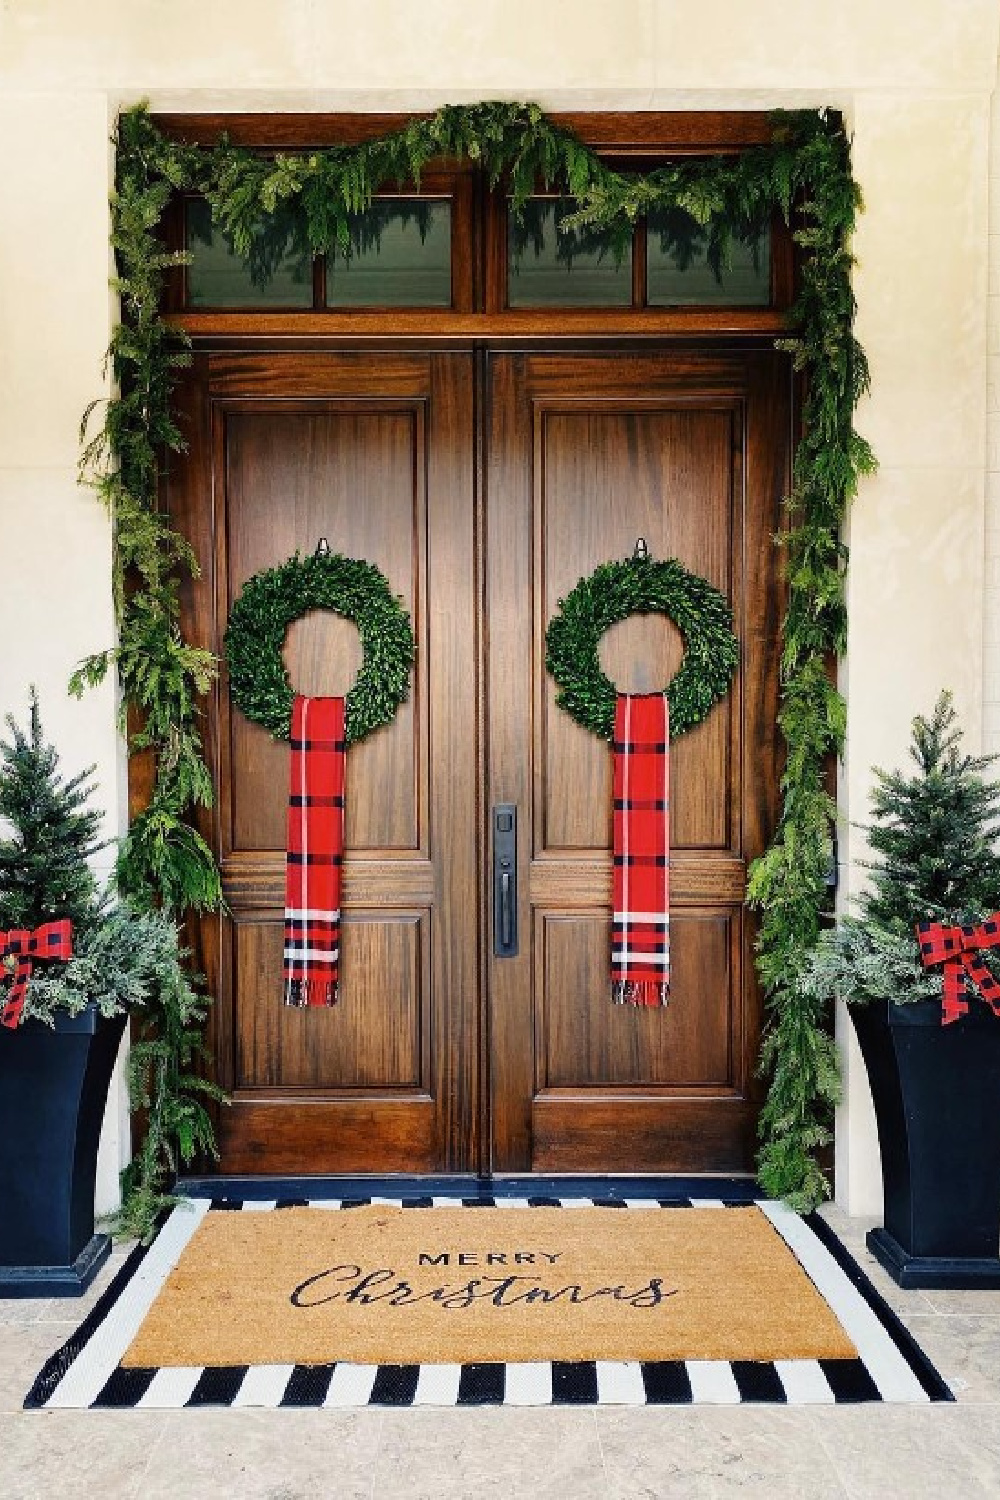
<point x="946" y="1452"/>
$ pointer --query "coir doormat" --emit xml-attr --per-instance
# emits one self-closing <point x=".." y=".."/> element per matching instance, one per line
<point x="521" y="1302"/>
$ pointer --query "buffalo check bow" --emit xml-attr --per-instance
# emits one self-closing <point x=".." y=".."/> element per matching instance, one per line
<point x="50" y="940"/>
<point x="959" y="950"/>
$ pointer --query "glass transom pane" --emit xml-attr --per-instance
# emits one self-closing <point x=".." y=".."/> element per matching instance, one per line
<point x="546" y="268"/>
<point x="278" y="272"/>
<point x="400" y="256"/>
<point x="679" y="271"/>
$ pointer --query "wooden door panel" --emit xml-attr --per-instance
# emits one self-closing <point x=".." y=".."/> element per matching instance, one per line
<point x="602" y="480"/>
<point x="374" y="452"/>
<point x="585" y="454"/>
<point x="263" y="1135"/>
<point x="576" y="811"/>
<point x="293" y="475"/>
<point x="585" y="1042"/>
<point x="373" y="1042"/>
<point x="632" y="1133"/>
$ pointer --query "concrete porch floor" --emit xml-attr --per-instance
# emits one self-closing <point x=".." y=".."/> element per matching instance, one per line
<point x="627" y="1453"/>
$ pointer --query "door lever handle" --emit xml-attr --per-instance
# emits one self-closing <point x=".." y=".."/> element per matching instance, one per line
<point x="505" y="880"/>
<point x="505" y="911"/>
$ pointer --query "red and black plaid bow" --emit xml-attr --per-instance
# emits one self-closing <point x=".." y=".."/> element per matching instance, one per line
<point x="959" y="948"/>
<point x="51" y="940"/>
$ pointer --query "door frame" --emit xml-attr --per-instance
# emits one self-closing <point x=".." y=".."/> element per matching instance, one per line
<point x="483" y="328"/>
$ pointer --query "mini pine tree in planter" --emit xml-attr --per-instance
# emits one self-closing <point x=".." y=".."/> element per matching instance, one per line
<point x="45" y="865"/>
<point x="63" y="1028"/>
<point x="934" y="1068"/>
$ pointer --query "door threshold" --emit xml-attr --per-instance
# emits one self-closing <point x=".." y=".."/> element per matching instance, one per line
<point x="611" y="1187"/>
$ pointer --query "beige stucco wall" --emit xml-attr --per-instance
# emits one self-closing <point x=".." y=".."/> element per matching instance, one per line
<point x="991" y="631"/>
<point x="915" y="589"/>
<point x="915" y="79"/>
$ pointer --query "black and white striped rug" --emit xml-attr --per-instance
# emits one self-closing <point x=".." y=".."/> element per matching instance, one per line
<point x="87" y="1370"/>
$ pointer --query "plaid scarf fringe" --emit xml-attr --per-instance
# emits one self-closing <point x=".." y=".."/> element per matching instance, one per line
<point x="301" y="993"/>
<point x="640" y="992"/>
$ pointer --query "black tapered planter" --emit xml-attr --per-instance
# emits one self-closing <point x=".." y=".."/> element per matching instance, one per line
<point x="53" y="1090"/>
<point x="936" y="1091"/>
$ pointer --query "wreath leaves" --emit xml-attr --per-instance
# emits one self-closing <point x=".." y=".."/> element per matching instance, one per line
<point x="272" y="599"/>
<point x="613" y="592"/>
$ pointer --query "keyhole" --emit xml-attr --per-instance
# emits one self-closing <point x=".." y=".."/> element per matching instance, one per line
<point x="323" y="654"/>
<point x="641" y="654"/>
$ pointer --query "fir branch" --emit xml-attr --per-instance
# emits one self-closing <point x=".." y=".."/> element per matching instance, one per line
<point x="53" y="835"/>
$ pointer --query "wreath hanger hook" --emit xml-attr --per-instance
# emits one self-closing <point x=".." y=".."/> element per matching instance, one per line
<point x="640" y="552"/>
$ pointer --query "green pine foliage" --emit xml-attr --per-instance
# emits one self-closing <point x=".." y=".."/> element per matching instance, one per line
<point x="166" y="1069"/>
<point x="45" y="872"/>
<point x="118" y="964"/>
<point x="800" y="1057"/>
<point x="934" y="834"/>
<point x="804" y="173"/>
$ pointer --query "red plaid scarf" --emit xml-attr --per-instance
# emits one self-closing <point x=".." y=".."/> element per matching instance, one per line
<point x="315" y="852"/>
<point x="640" y="940"/>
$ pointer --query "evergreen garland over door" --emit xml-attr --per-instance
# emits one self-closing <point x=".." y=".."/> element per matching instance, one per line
<point x="441" y="1056"/>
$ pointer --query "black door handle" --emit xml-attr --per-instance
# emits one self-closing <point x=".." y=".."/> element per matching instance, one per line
<point x="505" y="880"/>
<point x="505" y="911"/>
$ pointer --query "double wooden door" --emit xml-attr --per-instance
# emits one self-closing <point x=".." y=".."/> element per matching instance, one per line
<point x="484" y="485"/>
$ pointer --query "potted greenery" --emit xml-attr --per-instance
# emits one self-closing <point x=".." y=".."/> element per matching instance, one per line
<point x="57" y="1053"/>
<point x="934" y="1069"/>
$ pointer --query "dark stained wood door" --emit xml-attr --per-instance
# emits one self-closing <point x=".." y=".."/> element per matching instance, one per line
<point x="585" y="454"/>
<point x="484" y="486"/>
<point x="374" y="452"/>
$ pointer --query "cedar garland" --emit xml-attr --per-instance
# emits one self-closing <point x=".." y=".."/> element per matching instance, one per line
<point x="163" y="859"/>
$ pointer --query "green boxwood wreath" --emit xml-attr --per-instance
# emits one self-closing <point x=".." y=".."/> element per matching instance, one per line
<point x="272" y="599"/>
<point x="611" y="593"/>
